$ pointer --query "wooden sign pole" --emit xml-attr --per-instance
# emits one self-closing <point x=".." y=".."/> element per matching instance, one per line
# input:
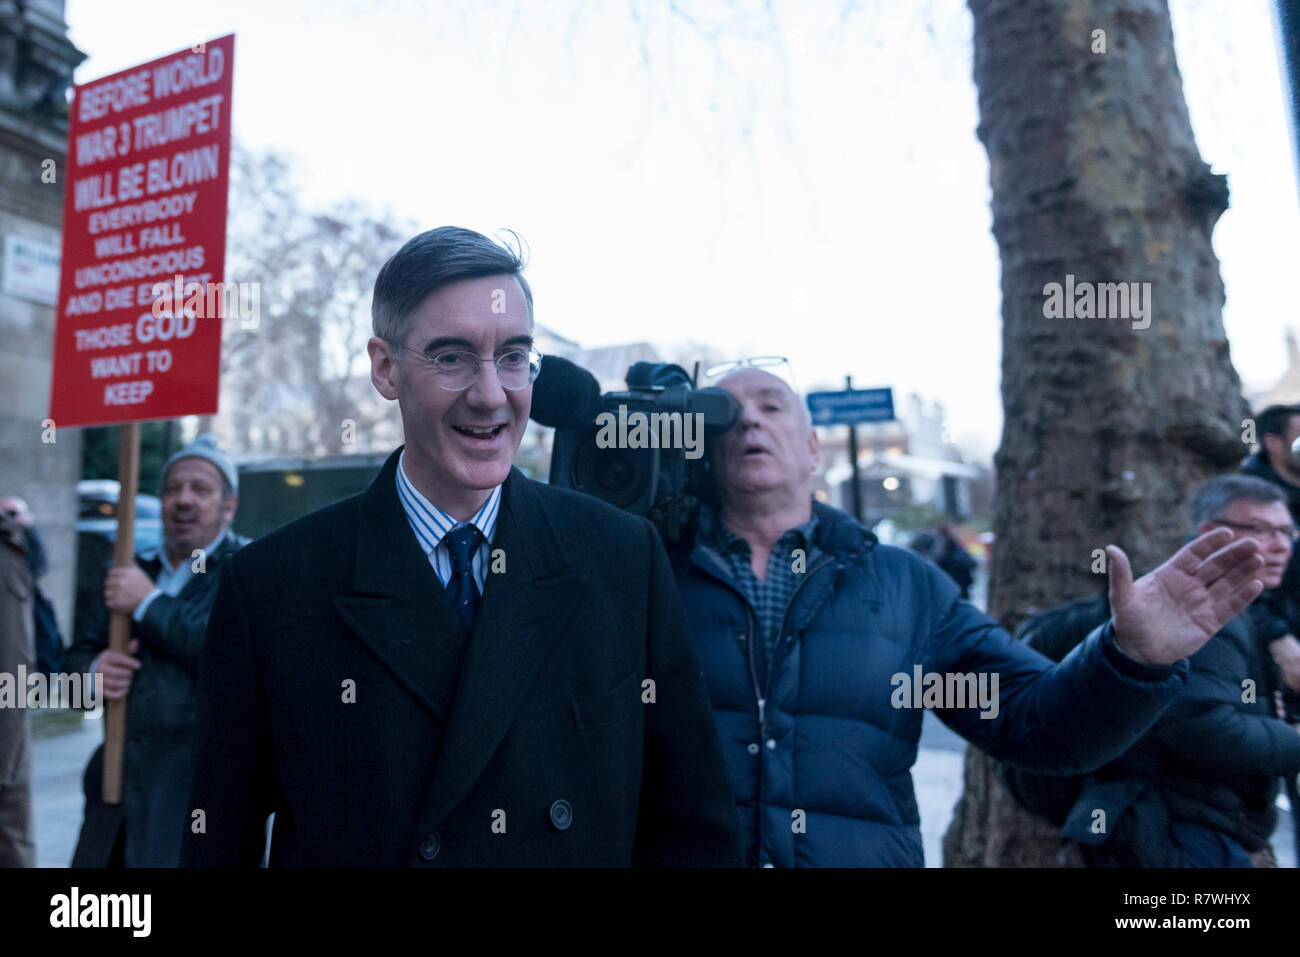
<point x="119" y="623"/>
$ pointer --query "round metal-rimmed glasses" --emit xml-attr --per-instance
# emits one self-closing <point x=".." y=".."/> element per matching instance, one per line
<point x="456" y="370"/>
<point x="1289" y="532"/>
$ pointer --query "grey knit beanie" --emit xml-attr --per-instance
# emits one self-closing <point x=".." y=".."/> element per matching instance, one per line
<point x="205" y="447"/>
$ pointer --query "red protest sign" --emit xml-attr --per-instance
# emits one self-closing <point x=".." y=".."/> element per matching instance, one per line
<point x="141" y="291"/>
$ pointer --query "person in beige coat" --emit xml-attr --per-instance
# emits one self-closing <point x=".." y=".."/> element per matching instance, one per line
<point x="17" y="843"/>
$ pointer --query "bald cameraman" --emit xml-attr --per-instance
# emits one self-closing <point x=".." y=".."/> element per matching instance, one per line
<point x="803" y="624"/>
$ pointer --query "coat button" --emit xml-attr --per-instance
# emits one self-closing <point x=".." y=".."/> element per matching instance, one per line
<point x="771" y="744"/>
<point x="752" y="747"/>
<point x="768" y="864"/>
<point x="431" y="846"/>
<point x="561" y="815"/>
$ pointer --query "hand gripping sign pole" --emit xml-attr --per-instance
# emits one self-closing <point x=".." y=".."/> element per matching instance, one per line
<point x="119" y="623"/>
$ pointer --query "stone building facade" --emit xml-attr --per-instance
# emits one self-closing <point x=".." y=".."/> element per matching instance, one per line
<point x="36" y="66"/>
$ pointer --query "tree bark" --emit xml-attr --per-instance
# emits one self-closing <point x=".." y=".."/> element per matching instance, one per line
<point x="1108" y="426"/>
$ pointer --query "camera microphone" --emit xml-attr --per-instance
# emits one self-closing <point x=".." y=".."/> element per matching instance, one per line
<point x="564" y="395"/>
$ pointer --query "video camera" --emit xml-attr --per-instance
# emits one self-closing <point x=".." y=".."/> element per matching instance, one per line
<point x="648" y="470"/>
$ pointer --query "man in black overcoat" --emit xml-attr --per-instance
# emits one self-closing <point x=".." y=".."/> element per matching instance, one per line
<point x="459" y="666"/>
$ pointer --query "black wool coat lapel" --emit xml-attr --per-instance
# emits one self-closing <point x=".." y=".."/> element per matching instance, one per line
<point x="398" y="608"/>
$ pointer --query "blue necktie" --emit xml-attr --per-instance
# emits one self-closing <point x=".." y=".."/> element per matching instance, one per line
<point x="462" y="542"/>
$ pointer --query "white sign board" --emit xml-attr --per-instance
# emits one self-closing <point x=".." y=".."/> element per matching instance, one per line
<point x="30" y="270"/>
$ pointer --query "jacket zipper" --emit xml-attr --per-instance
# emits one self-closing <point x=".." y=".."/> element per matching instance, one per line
<point x="759" y="695"/>
<point x="790" y="604"/>
<point x="753" y="675"/>
<point x="767" y="688"/>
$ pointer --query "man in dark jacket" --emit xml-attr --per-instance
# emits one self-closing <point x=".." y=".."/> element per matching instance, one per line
<point x="952" y="557"/>
<point x="821" y="646"/>
<point x="1198" y="790"/>
<point x="459" y="666"/>
<point x="168" y="594"/>
<point x="1276" y="615"/>
<point x="1277" y="612"/>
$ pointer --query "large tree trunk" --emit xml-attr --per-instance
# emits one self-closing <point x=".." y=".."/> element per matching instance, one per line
<point x="1288" y="21"/>
<point x="1108" y="427"/>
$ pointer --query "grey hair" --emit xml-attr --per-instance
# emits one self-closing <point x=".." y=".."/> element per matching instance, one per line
<point x="436" y="258"/>
<point x="1218" y="493"/>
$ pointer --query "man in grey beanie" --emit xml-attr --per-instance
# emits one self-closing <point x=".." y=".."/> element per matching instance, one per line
<point x="168" y="594"/>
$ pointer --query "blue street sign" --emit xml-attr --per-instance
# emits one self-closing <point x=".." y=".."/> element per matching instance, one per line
<point x="852" y="406"/>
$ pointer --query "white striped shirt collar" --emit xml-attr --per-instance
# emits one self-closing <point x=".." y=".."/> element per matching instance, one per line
<point x="431" y="523"/>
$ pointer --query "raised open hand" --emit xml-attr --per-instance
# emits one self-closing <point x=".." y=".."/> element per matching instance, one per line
<point x="1171" y="612"/>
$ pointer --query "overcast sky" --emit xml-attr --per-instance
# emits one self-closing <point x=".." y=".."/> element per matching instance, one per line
<point x="807" y="186"/>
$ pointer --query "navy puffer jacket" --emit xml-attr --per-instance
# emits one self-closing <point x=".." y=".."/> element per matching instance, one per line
<point x="825" y="736"/>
